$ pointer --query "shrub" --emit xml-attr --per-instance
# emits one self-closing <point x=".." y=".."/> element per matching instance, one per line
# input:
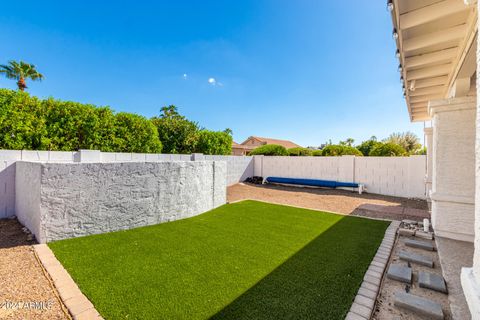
<point x="74" y="126"/>
<point x="214" y="142"/>
<point x="299" y="151"/>
<point x="317" y="153"/>
<point x="388" y="150"/>
<point x="269" y="150"/>
<point x="367" y="146"/>
<point x="27" y="122"/>
<point x="177" y="133"/>
<point x="421" y="152"/>
<point x="340" y="150"/>
<point x="135" y="133"/>
<point x="22" y="125"/>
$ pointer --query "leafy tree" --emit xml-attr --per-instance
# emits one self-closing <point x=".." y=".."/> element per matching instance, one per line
<point x="20" y="71"/>
<point x="135" y="133"/>
<point x="269" y="150"/>
<point x="408" y="140"/>
<point x="340" y="150"/>
<point x="214" y="142"/>
<point x="348" y="142"/>
<point x="366" y="146"/>
<point x="299" y="151"/>
<point x="388" y="150"/>
<point x="421" y="152"/>
<point x="177" y="133"/>
<point x="317" y="153"/>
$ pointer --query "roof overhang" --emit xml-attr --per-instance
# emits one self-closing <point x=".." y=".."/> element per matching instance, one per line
<point x="434" y="39"/>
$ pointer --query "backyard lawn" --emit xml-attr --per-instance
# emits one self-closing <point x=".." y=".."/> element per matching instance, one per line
<point x="248" y="260"/>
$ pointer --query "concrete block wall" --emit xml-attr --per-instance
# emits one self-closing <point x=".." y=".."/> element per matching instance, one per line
<point x="63" y="200"/>
<point x="393" y="176"/>
<point x="238" y="167"/>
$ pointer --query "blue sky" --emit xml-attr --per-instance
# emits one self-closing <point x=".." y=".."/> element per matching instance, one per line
<point x="303" y="70"/>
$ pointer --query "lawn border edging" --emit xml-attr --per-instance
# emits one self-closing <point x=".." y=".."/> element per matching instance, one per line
<point x="78" y="305"/>
<point x="364" y="303"/>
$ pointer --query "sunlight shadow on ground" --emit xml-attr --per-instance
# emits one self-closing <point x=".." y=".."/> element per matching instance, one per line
<point x="319" y="281"/>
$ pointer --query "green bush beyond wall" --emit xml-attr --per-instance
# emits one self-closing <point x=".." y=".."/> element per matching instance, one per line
<point x="29" y="123"/>
<point x="269" y="150"/>
<point x="388" y="150"/>
<point x="300" y="152"/>
<point x="340" y="150"/>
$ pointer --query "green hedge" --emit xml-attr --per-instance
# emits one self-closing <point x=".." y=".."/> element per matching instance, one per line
<point x="214" y="142"/>
<point x="27" y="122"/>
<point x="388" y="150"/>
<point x="299" y="151"/>
<point x="269" y="150"/>
<point x="340" y="150"/>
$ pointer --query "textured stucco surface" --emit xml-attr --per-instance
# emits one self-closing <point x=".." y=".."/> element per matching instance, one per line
<point x="90" y="198"/>
<point x="453" y="181"/>
<point x="238" y="167"/>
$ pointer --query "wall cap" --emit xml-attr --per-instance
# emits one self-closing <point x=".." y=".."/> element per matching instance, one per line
<point x="452" y="198"/>
<point x="450" y="105"/>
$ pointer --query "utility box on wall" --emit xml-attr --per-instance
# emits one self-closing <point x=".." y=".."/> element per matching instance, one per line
<point x="64" y="200"/>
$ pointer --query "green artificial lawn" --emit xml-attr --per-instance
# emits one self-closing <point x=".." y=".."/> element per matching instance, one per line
<point x="248" y="260"/>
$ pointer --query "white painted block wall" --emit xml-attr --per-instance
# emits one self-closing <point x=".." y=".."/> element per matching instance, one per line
<point x="63" y="200"/>
<point x="393" y="176"/>
<point x="398" y="176"/>
<point x="238" y="167"/>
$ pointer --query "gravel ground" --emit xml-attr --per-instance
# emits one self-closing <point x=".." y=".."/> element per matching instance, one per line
<point x="385" y="309"/>
<point x="340" y="201"/>
<point x="25" y="291"/>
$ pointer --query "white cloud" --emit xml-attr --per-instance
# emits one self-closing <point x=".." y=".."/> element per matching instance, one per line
<point x="214" y="82"/>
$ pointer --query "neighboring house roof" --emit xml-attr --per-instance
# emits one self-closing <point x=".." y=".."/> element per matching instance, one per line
<point x="286" y="143"/>
<point x="239" y="146"/>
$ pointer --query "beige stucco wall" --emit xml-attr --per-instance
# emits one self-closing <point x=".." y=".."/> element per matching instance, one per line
<point x="453" y="178"/>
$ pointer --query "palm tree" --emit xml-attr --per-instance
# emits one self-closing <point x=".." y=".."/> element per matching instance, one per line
<point x="20" y="71"/>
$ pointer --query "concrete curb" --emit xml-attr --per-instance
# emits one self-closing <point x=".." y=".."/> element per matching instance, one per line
<point x="364" y="304"/>
<point x="78" y="305"/>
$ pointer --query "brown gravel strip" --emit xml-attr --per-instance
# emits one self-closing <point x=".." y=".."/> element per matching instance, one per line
<point x="25" y="290"/>
<point x="340" y="201"/>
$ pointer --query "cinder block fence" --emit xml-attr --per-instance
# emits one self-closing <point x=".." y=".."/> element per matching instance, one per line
<point x="64" y="194"/>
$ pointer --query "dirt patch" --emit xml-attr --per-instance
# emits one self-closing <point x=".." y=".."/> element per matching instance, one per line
<point x="340" y="201"/>
<point x="25" y="290"/>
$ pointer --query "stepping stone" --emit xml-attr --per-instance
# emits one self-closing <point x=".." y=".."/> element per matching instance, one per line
<point x="400" y="273"/>
<point x="424" y="235"/>
<point x="408" y="221"/>
<point x="419" y="305"/>
<point x="416" y="258"/>
<point x="431" y="281"/>
<point x="420" y="244"/>
<point x="406" y="232"/>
